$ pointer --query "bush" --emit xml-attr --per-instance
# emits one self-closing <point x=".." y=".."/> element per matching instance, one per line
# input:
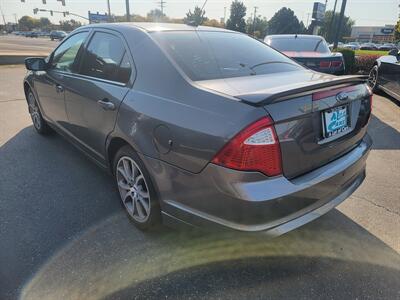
<point x="349" y="60"/>
<point x="364" y="63"/>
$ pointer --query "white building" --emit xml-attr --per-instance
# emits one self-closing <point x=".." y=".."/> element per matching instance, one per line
<point x="376" y="34"/>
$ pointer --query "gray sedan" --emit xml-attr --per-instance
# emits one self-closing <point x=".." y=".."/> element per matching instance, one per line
<point x="203" y="126"/>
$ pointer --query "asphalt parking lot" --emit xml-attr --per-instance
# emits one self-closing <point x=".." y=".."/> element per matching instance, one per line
<point x="64" y="235"/>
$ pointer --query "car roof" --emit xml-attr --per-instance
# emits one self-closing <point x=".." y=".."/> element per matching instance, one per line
<point x="285" y="36"/>
<point x="152" y="26"/>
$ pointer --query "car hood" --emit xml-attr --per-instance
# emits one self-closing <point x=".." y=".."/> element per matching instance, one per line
<point x="260" y="88"/>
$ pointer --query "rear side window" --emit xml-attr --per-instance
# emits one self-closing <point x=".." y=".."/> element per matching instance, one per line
<point x="299" y="44"/>
<point x="205" y="55"/>
<point x="106" y="58"/>
<point x="65" y="56"/>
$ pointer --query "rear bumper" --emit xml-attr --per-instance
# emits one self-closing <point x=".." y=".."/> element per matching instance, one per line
<point x="222" y="198"/>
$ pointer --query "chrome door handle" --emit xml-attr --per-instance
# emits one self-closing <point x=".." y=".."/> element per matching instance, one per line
<point x="106" y="104"/>
<point x="59" y="88"/>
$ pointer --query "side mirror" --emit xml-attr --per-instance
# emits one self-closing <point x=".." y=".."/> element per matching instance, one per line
<point x="394" y="52"/>
<point x="35" y="64"/>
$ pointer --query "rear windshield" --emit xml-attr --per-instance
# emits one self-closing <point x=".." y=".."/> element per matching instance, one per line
<point x="299" y="44"/>
<point x="206" y="55"/>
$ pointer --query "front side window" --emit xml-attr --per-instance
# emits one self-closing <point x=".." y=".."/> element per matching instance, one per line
<point x="205" y="55"/>
<point x="64" y="58"/>
<point x="106" y="58"/>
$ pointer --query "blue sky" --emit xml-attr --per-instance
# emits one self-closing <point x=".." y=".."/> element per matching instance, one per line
<point x="364" y="12"/>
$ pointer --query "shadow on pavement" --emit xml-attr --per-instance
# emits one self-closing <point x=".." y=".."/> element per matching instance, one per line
<point x="64" y="236"/>
<point x="384" y="136"/>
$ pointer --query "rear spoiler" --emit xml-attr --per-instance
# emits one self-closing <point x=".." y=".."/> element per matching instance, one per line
<point x="282" y="93"/>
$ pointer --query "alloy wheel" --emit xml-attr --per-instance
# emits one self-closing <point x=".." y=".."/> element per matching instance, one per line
<point x="373" y="77"/>
<point x="34" y="111"/>
<point x="133" y="189"/>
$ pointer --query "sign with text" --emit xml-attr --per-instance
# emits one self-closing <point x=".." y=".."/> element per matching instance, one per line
<point x="318" y="11"/>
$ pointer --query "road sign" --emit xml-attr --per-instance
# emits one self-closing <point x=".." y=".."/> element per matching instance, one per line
<point x="318" y="11"/>
<point x="97" y="18"/>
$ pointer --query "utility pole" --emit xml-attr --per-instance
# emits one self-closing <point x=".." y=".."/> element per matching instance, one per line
<point x="329" y="32"/>
<point x="4" y="19"/>
<point x="128" y="13"/>
<point x="225" y="15"/>
<point x="339" y="28"/>
<point x="162" y="3"/>
<point x="254" y="19"/>
<point x="109" y="10"/>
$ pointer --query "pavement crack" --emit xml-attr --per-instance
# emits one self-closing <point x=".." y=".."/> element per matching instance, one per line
<point x="378" y="205"/>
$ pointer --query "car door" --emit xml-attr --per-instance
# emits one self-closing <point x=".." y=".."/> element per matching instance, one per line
<point x="49" y="84"/>
<point x="92" y="98"/>
<point x="389" y="74"/>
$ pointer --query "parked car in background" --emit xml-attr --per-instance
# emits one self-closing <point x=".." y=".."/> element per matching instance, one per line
<point x="57" y="35"/>
<point x="205" y="126"/>
<point x="385" y="74"/>
<point x="387" y="47"/>
<point x="309" y="50"/>
<point x="352" y="46"/>
<point x="32" y="34"/>
<point x="340" y="45"/>
<point x="368" y="46"/>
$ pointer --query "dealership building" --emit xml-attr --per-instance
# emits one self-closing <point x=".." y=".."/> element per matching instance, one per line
<point x="375" y="34"/>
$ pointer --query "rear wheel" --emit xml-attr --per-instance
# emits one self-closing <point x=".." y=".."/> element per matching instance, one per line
<point x="136" y="189"/>
<point x="39" y="123"/>
<point x="373" y="78"/>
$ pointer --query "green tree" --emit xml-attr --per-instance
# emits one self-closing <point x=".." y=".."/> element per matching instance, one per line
<point x="329" y="30"/>
<point x="197" y="17"/>
<point x="236" y="20"/>
<point x="69" y="25"/>
<point x="156" y="15"/>
<point x="397" y="31"/>
<point x="28" y="23"/>
<point x="257" y="27"/>
<point x="285" y="22"/>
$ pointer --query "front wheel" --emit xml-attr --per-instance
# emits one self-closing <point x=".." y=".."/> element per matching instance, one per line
<point x="136" y="189"/>
<point x="39" y="123"/>
<point x="373" y="78"/>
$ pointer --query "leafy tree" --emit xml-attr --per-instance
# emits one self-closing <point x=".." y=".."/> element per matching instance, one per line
<point x="69" y="25"/>
<point x="156" y="15"/>
<point x="397" y="31"/>
<point x="329" y="30"/>
<point x="236" y="20"/>
<point x="285" y="22"/>
<point x="196" y="18"/>
<point x="257" y="27"/>
<point x="213" y="23"/>
<point x="28" y="23"/>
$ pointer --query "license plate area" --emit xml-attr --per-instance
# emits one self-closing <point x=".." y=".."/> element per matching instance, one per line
<point x="335" y="121"/>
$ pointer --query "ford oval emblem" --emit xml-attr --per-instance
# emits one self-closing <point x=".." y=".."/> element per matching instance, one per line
<point x="343" y="96"/>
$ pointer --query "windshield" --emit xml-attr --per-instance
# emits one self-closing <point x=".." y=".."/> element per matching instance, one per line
<point x="299" y="44"/>
<point x="214" y="55"/>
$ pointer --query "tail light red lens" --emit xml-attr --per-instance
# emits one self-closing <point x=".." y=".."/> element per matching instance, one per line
<point x="324" y="64"/>
<point x="255" y="148"/>
<point x="336" y="63"/>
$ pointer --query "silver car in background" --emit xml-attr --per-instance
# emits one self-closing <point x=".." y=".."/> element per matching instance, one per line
<point x="203" y="126"/>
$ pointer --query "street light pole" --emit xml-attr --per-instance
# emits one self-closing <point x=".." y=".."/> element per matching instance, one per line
<point x="109" y="10"/>
<point x="329" y="31"/>
<point x="339" y="28"/>
<point x="128" y="14"/>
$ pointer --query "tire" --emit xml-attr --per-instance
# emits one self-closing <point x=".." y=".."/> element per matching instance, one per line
<point x="143" y="211"/>
<point x="373" y="78"/>
<point x="39" y="123"/>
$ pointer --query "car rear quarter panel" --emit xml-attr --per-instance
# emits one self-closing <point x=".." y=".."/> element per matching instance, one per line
<point x="166" y="116"/>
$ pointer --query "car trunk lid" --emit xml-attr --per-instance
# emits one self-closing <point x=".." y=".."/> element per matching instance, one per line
<point x="304" y="110"/>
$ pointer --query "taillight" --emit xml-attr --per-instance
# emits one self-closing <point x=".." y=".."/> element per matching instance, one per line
<point x="255" y="148"/>
<point x="336" y="63"/>
<point x="324" y="64"/>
